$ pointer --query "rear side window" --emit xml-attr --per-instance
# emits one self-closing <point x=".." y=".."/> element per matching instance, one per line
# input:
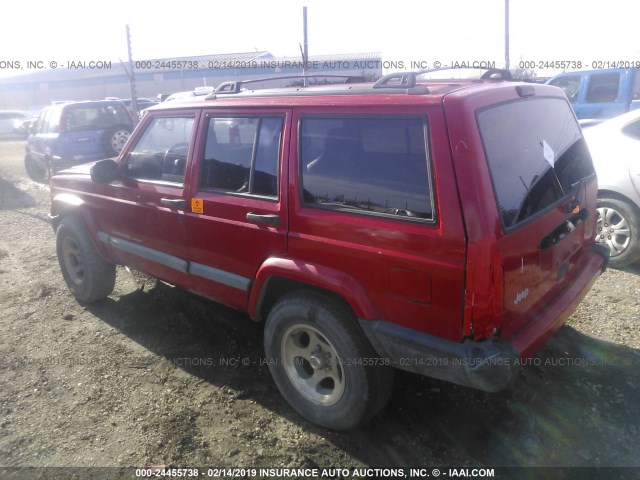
<point x="536" y="155"/>
<point x="635" y="94"/>
<point x="241" y="155"/>
<point x="603" y="87"/>
<point x="46" y="121"/>
<point x="40" y="122"/>
<point x="366" y="165"/>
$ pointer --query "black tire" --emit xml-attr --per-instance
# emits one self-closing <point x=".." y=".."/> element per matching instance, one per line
<point x="36" y="172"/>
<point x="87" y="275"/>
<point x="323" y="364"/>
<point x="115" y="139"/>
<point x="617" y="227"/>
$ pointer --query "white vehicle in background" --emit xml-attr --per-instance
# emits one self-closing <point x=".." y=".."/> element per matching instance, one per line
<point x="13" y="123"/>
<point x="190" y="94"/>
<point x="615" y="149"/>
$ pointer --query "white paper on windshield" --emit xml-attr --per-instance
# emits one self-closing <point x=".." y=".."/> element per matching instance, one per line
<point x="549" y="154"/>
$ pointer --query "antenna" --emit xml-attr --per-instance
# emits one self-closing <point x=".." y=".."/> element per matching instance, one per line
<point x="132" y="80"/>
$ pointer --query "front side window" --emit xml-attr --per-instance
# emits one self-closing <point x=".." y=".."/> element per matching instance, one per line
<point x="367" y="165"/>
<point x="536" y="155"/>
<point x="570" y="84"/>
<point x="241" y="155"/>
<point x="161" y="151"/>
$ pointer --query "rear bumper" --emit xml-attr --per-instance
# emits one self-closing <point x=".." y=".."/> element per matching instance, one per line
<point x="489" y="365"/>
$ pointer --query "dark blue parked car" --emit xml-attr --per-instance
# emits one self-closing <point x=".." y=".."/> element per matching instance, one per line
<point x="76" y="132"/>
<point x="600" y="94"/>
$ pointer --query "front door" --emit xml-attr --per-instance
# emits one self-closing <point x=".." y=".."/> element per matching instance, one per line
<point x="145" y="228"/>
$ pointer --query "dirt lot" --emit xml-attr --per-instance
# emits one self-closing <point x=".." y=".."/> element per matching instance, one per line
<point x="160" y="377"/>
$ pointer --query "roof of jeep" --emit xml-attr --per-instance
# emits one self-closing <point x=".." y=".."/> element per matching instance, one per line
<point x="408" y="91"/>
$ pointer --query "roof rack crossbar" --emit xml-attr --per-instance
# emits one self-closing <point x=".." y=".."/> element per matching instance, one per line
<point x="409" y="79"/>
<point x="395" y="80"/>
<point x="236" y="85"/>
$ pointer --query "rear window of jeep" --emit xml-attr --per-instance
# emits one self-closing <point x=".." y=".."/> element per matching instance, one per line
<point x="536" y="155"/>
<point x="367" y="165"/>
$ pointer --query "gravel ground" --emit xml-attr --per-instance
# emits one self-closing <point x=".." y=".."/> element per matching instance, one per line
<point x="156" y="376"/>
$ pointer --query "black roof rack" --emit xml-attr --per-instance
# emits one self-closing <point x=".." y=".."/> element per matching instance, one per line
<point x="409" y="79"/>
<point x="400" y="82"/>
<point x="236" y="86"/>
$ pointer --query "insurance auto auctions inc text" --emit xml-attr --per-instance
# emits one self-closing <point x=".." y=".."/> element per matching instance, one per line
<point x="344" y="473"/>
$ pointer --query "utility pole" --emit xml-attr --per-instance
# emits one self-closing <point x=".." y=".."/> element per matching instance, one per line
<point x="132" y="80"/>
<point x="506" y="35"/>
<point x="305" y="50"/>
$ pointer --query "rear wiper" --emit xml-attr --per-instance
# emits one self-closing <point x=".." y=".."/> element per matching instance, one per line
<point x="575" y="189"/>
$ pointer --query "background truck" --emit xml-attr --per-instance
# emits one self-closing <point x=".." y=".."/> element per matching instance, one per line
<point x="600" y="94"/>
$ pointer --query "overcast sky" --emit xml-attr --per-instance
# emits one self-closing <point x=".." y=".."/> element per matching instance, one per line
<point x="453" y="30"/>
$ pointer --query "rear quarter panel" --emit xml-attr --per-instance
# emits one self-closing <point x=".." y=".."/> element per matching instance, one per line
<point x="412" y="272"/>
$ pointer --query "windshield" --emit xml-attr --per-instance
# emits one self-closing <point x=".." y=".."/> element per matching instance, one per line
<point x="536" y="155"/>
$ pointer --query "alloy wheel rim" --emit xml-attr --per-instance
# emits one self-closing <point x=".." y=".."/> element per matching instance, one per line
<point x="313" y="365"/>
<point x="612" y="229"/>
<point x="72" y="257"/>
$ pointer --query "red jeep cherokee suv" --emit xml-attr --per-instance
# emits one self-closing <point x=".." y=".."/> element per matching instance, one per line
<point x="440" y="227"/>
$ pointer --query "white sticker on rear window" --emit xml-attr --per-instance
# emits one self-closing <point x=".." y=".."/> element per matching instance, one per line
<point x="549" y="154"/>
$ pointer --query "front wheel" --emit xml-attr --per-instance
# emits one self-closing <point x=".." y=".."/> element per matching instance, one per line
<point x="617" y="227"/>
<point x="323" y="364"/>
<point x="87" y="275"/>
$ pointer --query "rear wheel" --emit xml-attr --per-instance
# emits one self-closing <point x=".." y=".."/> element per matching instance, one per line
<point x="36" y="172"/>
<point x="87" y="275"/>
<point x="617" y="227"/>
<point x="322" y="363"/>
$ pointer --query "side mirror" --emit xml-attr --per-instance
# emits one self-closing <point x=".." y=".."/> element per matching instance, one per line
<point x="105" y="171"/>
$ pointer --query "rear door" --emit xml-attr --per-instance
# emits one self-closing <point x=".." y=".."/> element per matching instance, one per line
<point x="237" y="216"/>
<point x="544" y="186"/>
<point x="368" y="206"/>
